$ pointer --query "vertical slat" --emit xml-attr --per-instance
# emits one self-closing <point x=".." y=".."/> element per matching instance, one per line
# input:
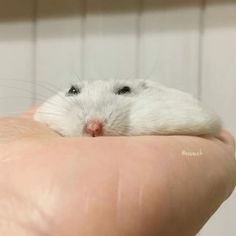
<point x="110" y="39"/>
<point x="219" y="90"/>
<point x="59" y="44"/>
<point x="169" y="45"/>
<point x="16" y="58"/>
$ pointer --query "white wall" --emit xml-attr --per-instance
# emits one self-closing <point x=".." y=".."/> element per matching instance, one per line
<point x="218" y="89"/>
<point x="16" y="55"/>
<point x="187" y="44"/>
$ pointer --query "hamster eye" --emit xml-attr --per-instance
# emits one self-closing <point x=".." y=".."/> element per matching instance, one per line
<point x="123" y="90"/>
<point x="73" y="91"/>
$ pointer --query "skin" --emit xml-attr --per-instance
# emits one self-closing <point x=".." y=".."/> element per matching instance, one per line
<point x="109" y="186"/>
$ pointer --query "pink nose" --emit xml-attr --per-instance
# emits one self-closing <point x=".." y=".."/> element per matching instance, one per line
<point x="94" y="128"/>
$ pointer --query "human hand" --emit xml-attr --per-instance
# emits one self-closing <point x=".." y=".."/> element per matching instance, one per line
<point x="128" y="186"/>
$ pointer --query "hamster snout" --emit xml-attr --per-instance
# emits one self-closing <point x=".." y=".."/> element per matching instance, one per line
<point x="94" y="128"/>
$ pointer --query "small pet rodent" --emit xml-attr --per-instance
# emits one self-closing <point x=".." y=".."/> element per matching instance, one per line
<point x="125" y="108"/>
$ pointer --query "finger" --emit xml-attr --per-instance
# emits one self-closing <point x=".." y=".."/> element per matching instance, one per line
<point x="227" y="138"/>
<point x="30" y="113"/>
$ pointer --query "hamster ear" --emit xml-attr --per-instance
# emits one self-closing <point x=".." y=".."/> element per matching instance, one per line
<point x="145" y="84"/>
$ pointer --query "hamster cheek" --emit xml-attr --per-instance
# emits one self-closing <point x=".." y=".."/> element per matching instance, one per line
<point x="117" y="124"/>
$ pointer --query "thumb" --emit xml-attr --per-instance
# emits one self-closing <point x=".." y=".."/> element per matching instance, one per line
<point x="30" y="113"/>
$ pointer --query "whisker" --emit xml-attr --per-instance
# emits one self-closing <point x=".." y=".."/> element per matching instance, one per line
<point x="39" y="83"/>
<point x="111" y="113"/>
<point x="81" y="106"/>
<point x="7" y="97"/>
<point x="77" y="76"/>
<point x="80" y="118"/>
<point x="52" y="105"/>
<point x="9" y="113"/>
<point x="25" y="90"/>
<point x="51" y="113"/>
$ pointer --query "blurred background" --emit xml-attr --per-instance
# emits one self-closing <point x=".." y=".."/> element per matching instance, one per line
<point x="186" y="44"/>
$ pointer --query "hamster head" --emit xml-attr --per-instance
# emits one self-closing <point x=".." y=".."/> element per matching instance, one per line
<point x="92" y="108"/>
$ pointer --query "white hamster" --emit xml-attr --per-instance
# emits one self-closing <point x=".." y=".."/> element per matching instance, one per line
<point x="125" y="108"/>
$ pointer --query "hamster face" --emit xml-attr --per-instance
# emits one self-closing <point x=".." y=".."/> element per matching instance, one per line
<point x="92" y="108"/>
<point x="122" y="108"/>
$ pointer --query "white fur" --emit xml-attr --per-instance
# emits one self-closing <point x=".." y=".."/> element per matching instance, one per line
<point x="150" y="109"/>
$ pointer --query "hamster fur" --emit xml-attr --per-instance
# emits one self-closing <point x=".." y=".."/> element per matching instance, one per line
<point x="125" y="108"/>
